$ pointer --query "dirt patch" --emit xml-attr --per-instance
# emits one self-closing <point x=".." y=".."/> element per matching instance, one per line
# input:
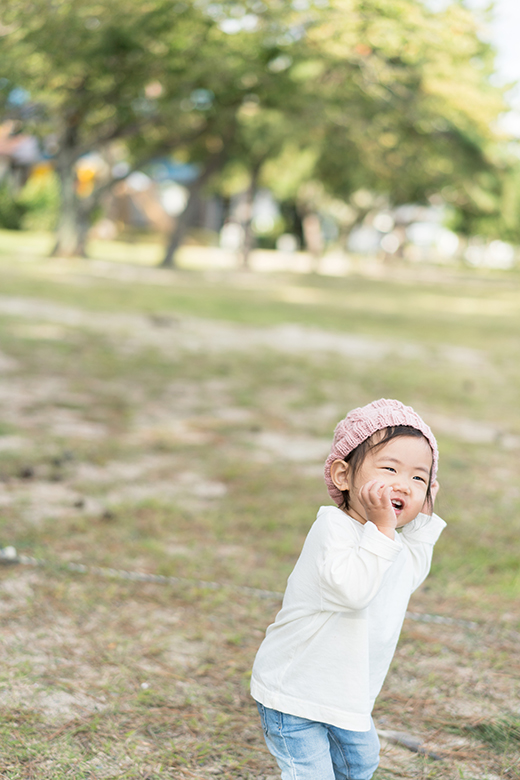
<point x="130" y="332"/>
<point x="40" y="500"/>
<point x="7" y="363"/>
<point x="299" y="449"/>
<point x="472" y="431"/>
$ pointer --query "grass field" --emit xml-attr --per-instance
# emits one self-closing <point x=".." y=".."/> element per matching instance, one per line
<point x="176" y="423"/>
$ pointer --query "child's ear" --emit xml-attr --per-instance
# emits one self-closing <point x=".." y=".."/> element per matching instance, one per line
<point x="340" y="474"/>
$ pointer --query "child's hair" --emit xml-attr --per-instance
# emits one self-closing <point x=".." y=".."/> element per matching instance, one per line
<point x="357" y="456"/>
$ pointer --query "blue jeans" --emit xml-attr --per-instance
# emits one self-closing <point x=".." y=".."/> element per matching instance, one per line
<point x="308" y="750"/>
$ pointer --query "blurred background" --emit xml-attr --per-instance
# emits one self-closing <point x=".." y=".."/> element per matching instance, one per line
<point x="318" y="128"/>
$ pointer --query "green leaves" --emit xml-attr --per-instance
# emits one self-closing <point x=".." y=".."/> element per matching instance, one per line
<point x="380" y="94"/>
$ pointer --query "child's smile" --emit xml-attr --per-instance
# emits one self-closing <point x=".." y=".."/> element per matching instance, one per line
<point x="393" y="478"/>
<point x="398" y="505"/>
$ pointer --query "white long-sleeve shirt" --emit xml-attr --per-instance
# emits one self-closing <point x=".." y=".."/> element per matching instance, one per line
<point x="327" y="654"/>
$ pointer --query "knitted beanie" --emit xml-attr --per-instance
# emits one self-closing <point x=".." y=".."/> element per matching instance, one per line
<point x="361" y="423"/>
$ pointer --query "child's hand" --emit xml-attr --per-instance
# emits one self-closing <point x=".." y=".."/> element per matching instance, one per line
<point x="374" y="496"/>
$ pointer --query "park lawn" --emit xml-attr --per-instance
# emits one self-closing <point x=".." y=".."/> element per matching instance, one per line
<point x="175" y="423"/>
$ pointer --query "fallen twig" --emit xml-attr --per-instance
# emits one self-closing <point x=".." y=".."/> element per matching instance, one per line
<point x="408" y="741"/>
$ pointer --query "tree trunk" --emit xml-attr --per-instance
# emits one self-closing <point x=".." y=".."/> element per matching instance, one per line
<point x="247" y="223"/>
<point x="313" y="238"/>
<point x="67" y="232"/>
<point x="179" y="231"/>
<point x="214" y="164"/>
<point x="83" y="222"/>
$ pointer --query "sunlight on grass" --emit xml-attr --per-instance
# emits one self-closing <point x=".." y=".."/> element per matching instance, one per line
<point x="19" y="245"/>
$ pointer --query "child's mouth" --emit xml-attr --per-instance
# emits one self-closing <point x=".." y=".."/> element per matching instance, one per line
<point x="397" y="504"/>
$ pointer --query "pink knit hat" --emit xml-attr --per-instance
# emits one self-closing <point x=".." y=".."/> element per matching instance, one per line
<point x="361" y="423"/>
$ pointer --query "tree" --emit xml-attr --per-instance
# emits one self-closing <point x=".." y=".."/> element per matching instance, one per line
<point x="385" y="95"/>
<point x="251" y="100"/>
<point x="373" y="95"/>
<point x="101" y="72"/>
<point x="424" y="114"/>
<point x="406" y="104"/>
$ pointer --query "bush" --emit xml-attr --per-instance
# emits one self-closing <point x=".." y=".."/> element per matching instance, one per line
<point x="12" y="209"/>
<point x="41" y="199"/>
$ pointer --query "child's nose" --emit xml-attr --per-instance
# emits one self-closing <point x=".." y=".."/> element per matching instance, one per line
<point x="401" y="486"/>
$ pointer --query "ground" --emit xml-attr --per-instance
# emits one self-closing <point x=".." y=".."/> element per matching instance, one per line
<point x="176" y="423"/>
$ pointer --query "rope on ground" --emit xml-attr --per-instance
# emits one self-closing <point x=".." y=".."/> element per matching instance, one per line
<point x="9" y="556"/>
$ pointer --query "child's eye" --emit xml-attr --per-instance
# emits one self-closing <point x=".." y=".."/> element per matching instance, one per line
<point x="389" y="468"/>
<point x="421" y="479"/>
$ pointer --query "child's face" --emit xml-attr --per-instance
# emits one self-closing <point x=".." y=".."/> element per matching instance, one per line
<point x="403" y="464"/>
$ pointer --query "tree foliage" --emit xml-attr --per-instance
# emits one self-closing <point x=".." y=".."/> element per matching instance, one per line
<point x="385" y="95"/>
<point x="99" y="72"/>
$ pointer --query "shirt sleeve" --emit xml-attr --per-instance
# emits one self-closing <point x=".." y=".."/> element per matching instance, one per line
<point x="352" y="572"/>
<point x="419" y="537"/>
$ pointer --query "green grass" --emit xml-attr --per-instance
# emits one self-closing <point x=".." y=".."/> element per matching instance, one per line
<point x="501" y="735"/>
<point x="463" y="308"/>
<point x="124" y="444"/>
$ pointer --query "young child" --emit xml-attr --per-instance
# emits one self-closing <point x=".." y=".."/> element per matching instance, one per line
<point x="324" y="659"/>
